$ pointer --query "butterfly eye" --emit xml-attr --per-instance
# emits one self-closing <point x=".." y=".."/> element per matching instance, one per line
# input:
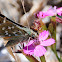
<point x="33" y="36"/>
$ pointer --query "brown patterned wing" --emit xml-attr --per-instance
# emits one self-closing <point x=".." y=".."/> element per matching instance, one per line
<point x="12" y="32"/>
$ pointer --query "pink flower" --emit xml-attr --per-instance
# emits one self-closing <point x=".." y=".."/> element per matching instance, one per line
<point x="59" y="19"/>
<point x="50" y="12"/>
<point x="41" y="15"/>
<point x="59" y="11"/>
<point x="36" y="46"/>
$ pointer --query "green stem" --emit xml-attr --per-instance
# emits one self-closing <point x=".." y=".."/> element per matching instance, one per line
<point x="42" y="58"/>
<point x="53" y="33"/>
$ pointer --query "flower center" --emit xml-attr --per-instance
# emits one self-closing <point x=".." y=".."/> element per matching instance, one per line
<point x="36" y="42"/>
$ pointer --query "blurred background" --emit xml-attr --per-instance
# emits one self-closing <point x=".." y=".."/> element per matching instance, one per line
<point x="13" y="9"/>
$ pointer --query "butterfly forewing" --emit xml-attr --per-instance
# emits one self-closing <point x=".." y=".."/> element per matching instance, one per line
<point x="9" y="29"/>
<point x="12" y="32"/>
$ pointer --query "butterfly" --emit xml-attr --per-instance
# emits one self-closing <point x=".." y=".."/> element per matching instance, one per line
<point x="14" y="32"/>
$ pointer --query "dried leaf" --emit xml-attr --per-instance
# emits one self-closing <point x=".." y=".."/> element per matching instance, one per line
<point x="10" y="52"/>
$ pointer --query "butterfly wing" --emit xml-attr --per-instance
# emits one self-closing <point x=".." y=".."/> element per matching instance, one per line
<point x="12" y="32"/>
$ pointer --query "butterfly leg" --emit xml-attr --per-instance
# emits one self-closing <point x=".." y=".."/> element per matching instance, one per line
<point x="28" y="41"/>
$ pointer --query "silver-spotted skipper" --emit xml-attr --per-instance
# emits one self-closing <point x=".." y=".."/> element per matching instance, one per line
<point x="14" y="32"/>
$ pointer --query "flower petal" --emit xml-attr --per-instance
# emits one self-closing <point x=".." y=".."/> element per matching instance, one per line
<point x="48" y="42"/>
<point x="30" y="42"/>
<point x="41" y="14"/>
<point x="39" y="51"/>
<point x="59" y="11"/>
<point x="43" y="35"/>
<point x="29" y="48"/>
<point x="28" y="51"/>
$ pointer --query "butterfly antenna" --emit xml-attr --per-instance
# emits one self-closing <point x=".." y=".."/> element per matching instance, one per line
<point x="20" y="47"/>
<point x="23" y="45"/>
<point x="22" y="1"/>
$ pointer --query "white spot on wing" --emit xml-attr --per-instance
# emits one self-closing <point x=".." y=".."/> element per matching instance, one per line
<point x="14" y="32"/>
<point x="9" y="27"/>
<point x="13" y="27"/>
<point x="3" y="28"/>
<point x="6" y="33"/>
<point x="4" y="21"/>
<point x="20" y="31"/>
<point x="9" y="35"/>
